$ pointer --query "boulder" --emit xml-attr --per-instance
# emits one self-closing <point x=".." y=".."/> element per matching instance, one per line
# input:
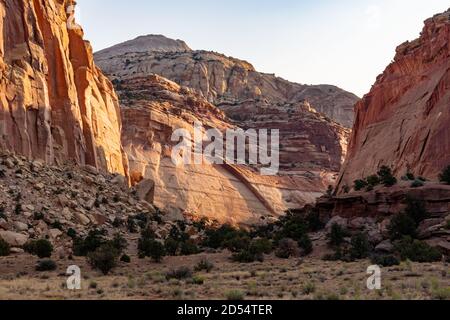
<point x="14" y="239"/>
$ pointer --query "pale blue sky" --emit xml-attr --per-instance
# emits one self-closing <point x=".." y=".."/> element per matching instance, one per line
<point x="342" y="42"/>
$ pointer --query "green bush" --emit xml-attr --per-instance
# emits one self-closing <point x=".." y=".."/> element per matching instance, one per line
<point x="71" y="233"/>
<point x="46" y="265"/>
<point x="358" y="185"/>
<point x="386" y="176"/>
<point x="416" y="210"/>
<point x="103" y="258"/>
<point x="171" y="246"/>
<point x="314" y="222"/>
<point x="5" y="249"/>
<point x="204" y="265"/>
<point x="287" y="248"/>
<point x="360" y="247"/>
<point x="237" y="243"/>
<point x="189" y="248"/>
<point x="373" y="180"/>
<point x="444" y="177"/>
<point x="402" y="225"/>
<point x="261" y="246"/>
<point x="125" y="258"/>
<point x="385" y="260"/>
<point x="119" y="243"/>
<point x="151" y="248"/>
<point x="94" y="240"/>
<point x="417" y="184"/>
<point x="41" y="248"/>
<point x="216" y="237"/>
<point x="234" y="295"/>
<point x="305" y="244"/>
<point x="417" y="251"/>
<point x="336" y="235"/>
<point x="246" y="256"/>
<point x="179" y="274"/>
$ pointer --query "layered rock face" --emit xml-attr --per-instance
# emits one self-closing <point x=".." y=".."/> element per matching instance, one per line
<point x="152" y="109"/>
<point x="404" y="121"/>
<point x="55" y="105"/>
<point x="222" y="80"/>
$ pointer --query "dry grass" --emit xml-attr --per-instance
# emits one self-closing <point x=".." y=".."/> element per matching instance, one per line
<point x="273" y="279"/>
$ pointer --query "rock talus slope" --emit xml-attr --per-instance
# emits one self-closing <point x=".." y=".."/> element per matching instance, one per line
<point x="222" y="80"/>
<point x="55" y="105"/>
<point x="404" y="121"/>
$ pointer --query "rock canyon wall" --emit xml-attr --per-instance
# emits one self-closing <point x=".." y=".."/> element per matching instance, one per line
<point x="223" y="81"/>
<point x="404" y="121"/>
<point x="55" y="105"/>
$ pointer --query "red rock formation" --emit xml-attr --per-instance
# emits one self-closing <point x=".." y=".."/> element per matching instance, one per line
<point x="223" y="81"/>
<point x="55" y="104"/>
<point x="152" y="108"/>
<point x="404" y="121"/>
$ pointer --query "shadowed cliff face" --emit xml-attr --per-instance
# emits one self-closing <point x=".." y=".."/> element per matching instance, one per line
<point x="404" y="121"/>
<point x="55" y="105"/>
<point x="223" y="81"/>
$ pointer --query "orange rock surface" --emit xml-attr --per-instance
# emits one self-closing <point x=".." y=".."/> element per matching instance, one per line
<point x="404" y="121"/>
<point x="55" y="105"/>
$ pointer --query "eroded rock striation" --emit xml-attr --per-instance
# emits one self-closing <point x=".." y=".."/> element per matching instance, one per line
<point x="55" y="104"/>
<point x="152" y="109"/>
<point x="223" y="81"/>
<point x="404" y="121"/>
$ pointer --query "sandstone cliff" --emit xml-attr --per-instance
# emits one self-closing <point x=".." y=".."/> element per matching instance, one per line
<point x="152" y="108"/>
<point x="222" y="80"/>
<point x="55" y="105"/>
<point x="404" y="121"/>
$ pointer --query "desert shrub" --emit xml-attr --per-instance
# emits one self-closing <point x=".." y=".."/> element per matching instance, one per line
<point x="308" y="288"/>
<point x="179" y="274"/>
<point x="71" y="233"/>
<point x="416" y="210"/>
<point x="188" y="248"/>
<point x="360" y="247"/>
<point x="125" y="258"/>
<point x="4" y="248"/>
<point x="444" y="177"/>
<point x="417" y="184"/>
<point x="386" y="176"/>
<point x="261" y="246"/>
<point x="335" y="256"/>
<point x="46" y="265"/>
<point x="41" y="248"/>
<point x="198" y="280"/>
<point x="385" y="260"/>
<point x="132" y="225"/>
<point x="216" y="237"/>
<point x="204" y="265"/>
<point x="177" y="233"/>
<point x="246" y="256"/>
<point x="337" y="235"/>
<point x="292" y="226"/>
<point x="151" y="248"/>
<point x="103" y="258"/>
<point x="373" y="180"/>
<point x="314" y="222"/>
<point x="171" y="246"/>
<point x="402" y="225"/>
<point x="305" y="244"/>
<point x="237" y="243"/>
<point x="416" y="250"/>
<point x="119" y="243"/>
<point x="287" y="248"/>
<point x="234" y="295"/>
<point x="359" y="184"/>
<point x="93" y="241"/>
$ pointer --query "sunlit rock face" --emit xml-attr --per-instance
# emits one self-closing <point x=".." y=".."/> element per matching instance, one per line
<point x="55" y="105"/>
<point x="404" y="121"/>
<point x="152" y="109"/>
<point x="223" y="81"/>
